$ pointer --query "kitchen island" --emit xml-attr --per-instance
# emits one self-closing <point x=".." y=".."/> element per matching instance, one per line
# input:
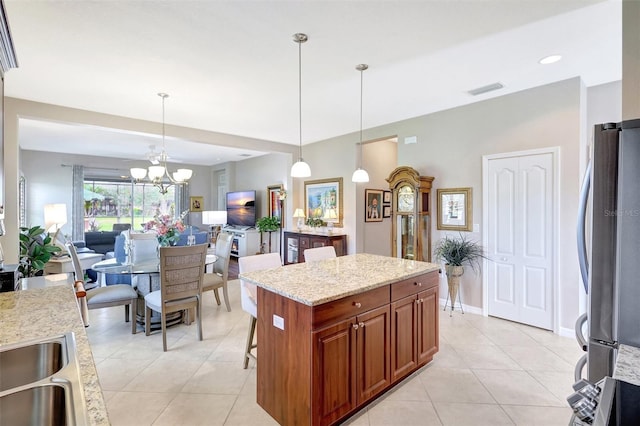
<point x="335" y="334"/>
<point x="47" y="312"/>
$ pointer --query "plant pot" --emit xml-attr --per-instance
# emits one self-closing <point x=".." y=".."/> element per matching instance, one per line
<point x="453" y="281"/>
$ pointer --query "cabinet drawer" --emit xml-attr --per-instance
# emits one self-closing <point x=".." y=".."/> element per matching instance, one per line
<point x="350" y="306"/>
<point x="413" y="285"/>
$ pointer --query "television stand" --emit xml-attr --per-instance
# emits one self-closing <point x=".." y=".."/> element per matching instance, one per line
<point x="246" y="242"/>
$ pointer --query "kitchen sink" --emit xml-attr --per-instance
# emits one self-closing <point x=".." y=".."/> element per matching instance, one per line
<point x="40" y="383"/>
<point x="45" y="405"/>
<point x="28" y="364"/>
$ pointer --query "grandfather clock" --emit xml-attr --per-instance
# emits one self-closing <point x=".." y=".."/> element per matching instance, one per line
<point x="411" y="214"/>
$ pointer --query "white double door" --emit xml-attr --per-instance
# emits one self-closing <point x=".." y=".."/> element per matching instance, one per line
<point x="519" y="240"/>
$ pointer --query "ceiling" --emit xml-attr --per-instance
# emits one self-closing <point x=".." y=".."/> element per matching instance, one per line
<point x="232" y="66"/>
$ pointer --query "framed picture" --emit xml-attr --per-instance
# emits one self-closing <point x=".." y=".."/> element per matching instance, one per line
<point x="196" y="204"/>
<point x="373" y="205"/>
<point x="323" y="198"/>
<point x="274" y="205"/>
<point x="386" y="211"/>
<point x="454" y="209"/>
<point x="386" y="198"/>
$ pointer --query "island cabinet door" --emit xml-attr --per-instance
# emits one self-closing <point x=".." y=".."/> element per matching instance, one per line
<point x="334" y="370"/>
<point x="428" y="325"/>
<point x="374" y="356"/>
<point x="404" y="341"/>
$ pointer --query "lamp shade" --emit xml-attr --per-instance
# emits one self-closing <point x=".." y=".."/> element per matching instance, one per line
<point x="214" y="217"/>
<point x="298" y="213"/>
<point x="330" y="214"/>
<point x="360" y="175"/>
<point x="138" y="173"/>
<point x="156" y="172"/>
<point x="300" y="169"/>
<point x="55" y="215"/>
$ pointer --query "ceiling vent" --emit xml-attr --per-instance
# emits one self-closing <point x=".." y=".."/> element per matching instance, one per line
<point x="485" y="89"/>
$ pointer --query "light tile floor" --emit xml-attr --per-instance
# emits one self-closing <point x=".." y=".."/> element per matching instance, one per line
<point x="488" y="372"/>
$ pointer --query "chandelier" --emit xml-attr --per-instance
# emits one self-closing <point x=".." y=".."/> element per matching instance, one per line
<point x="159" y="175"/>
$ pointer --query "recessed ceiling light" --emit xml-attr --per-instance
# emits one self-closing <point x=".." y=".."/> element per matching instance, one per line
<point x="550" y="59"/>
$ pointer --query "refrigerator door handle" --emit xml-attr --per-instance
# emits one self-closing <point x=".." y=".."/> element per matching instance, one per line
<point x="582" y="219"/>
<point x="582" y="319"/>
<point x="577" y="372"/>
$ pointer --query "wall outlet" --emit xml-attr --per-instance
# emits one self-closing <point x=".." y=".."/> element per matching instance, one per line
<point x="278" y="322"/>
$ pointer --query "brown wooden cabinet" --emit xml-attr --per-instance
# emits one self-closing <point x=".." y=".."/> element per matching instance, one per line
<point x="330" y="360"/>
<point x="297" y="242"/>
<point x="414" y="324"/>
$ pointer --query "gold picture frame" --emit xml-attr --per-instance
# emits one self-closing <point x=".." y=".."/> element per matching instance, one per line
<point x="321" y="194"/>
<point x="275" y="205"/>
<point x="196" y="204"/>
<point x="455" y="209"/>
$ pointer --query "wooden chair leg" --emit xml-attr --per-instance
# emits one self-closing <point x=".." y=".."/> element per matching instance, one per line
<point x="252" y="330"/>
<point x="126" y="313"/>
<point x="199" y="318"/>
<point x="217" y="295"/>
<point x="226" y="298"/>
<point x="163" y="320"/>
<point x="147" y="320"/>
<point x="132" y="310"/>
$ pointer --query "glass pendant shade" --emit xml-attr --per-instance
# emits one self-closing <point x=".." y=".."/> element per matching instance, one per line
<point x="300" y="169"/>
<point x="360" y="175"/>
<point x="156" y="172"/>
<point x="138" y="173"/>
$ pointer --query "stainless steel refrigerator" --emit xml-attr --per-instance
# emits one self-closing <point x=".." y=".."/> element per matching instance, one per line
<point x="609" y="249"/>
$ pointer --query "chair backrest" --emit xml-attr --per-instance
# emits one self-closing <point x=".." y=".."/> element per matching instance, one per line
<point x="248" y="291"/>
<point x="223" y="251"/>
<point x="142" y="246"/>
<point x="181" y="271"/>
<point x="319" y="253"/>
<point x="75" y="261"/>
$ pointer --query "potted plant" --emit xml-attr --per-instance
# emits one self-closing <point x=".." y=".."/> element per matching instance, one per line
<point x="456" y="252"/>
<point x="267" y="224"/>
<point x="36" y="250"/>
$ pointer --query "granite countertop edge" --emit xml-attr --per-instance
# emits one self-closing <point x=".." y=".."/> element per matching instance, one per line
<point x="296" y="291"/>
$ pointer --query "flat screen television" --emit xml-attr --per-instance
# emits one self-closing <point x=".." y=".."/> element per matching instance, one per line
<point x="241" y="208"/>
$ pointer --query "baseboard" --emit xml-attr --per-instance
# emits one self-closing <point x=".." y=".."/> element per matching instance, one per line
<point x="470" y="309"/>
<point x="567" y="332"/>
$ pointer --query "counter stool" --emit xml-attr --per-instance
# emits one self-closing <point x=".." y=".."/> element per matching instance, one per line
<point x="248" y="293"/>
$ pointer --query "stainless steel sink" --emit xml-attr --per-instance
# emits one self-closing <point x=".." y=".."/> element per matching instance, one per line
<point x="28" y="364"/>
<point x="40" y="383"/>
<point x="44" y="405"/>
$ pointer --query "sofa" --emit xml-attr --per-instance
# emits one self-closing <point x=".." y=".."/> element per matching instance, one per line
<point x="100" y="241"/>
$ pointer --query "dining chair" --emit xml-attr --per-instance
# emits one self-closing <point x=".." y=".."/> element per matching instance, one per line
<point x="248" y="293"/>
<point x="217" y="278"/>
<point x="102" y="297"/>
<point x="181" y="272"/>
<point x="319" y="253"/>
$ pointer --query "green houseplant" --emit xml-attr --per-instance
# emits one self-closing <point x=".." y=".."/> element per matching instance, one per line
<point x="457" y="252"/>
<point x="36" y="250"/>
<point x="268" y="224"/>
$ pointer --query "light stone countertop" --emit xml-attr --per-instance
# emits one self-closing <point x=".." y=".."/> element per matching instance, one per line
<point x="48" y="312"/>
<point x="314" y="283"/>
<point x="627" y="366"/>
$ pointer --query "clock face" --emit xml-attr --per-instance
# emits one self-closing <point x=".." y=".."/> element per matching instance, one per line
<point x="405" y="202"/>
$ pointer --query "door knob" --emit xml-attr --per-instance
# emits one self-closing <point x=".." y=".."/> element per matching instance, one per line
<point x="361" y="325"/>
<point x="357" y="304"/>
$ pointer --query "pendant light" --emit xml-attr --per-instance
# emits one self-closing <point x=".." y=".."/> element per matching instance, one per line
<point x="360" y="175"/>
<point x="300" y="168"/>
<point x="159" y="175"/>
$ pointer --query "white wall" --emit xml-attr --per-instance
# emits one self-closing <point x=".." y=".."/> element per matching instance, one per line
<point x="450" y="147"/>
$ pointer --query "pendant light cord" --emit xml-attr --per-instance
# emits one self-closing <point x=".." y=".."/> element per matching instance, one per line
<point x="300" y="93"/>
<point x="361" y="78"/>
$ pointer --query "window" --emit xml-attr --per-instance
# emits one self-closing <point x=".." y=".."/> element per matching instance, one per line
<point x="108" y="202"/>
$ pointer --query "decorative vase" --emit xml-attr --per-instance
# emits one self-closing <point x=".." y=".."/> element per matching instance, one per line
<point x="453" y="281"/>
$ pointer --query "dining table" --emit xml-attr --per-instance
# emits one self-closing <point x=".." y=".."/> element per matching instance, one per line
<point x="145" y="277"/>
